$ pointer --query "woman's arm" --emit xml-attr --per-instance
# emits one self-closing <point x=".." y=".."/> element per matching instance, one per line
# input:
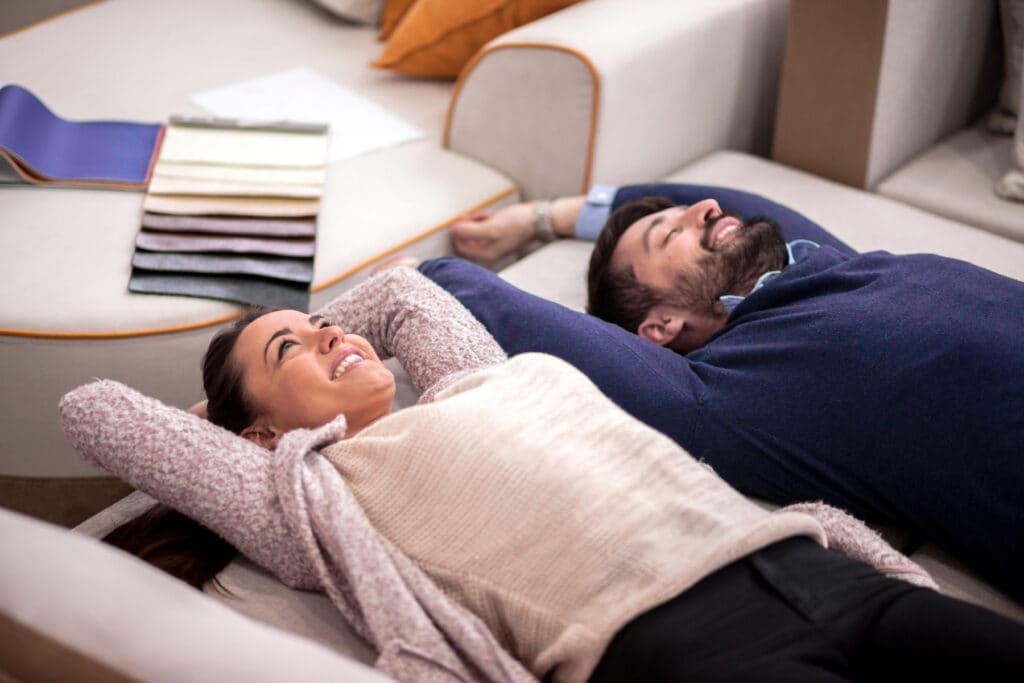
<point x="403" y="314"/>
<point x="207" y="473"/>
<point x="851" y="537"/>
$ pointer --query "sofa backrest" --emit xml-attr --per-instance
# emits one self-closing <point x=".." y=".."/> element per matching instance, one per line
<point x="868" y="85"/>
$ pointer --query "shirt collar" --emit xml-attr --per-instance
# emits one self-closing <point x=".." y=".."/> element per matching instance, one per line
<point x="796" y="251"/>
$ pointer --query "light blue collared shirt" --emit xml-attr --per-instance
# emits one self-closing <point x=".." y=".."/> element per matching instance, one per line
<point x="595" y="212"/>
<point x="796" y="250"/>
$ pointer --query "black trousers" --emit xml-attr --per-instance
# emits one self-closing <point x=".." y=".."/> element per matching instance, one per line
<point x="796" y="612"/>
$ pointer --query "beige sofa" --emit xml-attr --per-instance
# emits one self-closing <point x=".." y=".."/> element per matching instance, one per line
<point x="491" y="137"/>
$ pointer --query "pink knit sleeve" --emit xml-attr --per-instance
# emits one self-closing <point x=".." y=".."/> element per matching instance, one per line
<point x="853" y="538"/>
<point x="403" y="314"/>
<point x="206" y="472"/>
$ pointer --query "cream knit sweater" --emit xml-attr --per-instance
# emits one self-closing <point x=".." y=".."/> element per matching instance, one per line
<point x="516" y="486"/>
<point x="558" y="517"/>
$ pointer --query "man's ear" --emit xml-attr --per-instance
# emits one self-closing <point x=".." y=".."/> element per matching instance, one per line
<point x="662" y="324"/>
<point x="263" y="434"/>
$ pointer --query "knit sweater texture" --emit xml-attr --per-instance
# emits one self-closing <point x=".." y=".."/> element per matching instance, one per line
<point x="519" y="489"/>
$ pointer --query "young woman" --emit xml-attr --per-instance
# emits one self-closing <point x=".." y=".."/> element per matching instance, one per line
<point x="591" y="546"/>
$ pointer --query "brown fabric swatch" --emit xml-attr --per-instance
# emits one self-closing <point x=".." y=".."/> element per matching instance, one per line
<point x="262" y="227"/>
<point x="155" y="241"/>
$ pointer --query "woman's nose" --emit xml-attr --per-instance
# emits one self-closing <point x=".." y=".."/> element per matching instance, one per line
<point x="330" y="337"/>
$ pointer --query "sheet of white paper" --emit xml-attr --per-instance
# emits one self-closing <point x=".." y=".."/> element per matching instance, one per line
<point x="357" y="124"/>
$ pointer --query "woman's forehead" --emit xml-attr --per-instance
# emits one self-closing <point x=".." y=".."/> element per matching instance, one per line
<point x="257" y="333"/>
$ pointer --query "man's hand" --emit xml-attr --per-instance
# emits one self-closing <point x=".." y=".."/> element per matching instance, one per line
<point x="491" y="236"/>
<point x="396" y="261"/>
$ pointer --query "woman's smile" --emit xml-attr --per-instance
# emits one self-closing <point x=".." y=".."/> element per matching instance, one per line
<point x="348" y="358"/>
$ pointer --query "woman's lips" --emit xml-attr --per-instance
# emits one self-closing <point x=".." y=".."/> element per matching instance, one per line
<point x="345" y="359"/>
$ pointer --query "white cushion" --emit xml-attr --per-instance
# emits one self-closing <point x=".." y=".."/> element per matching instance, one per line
<point x="955" y="179"/>
<point x="71" y="597"/>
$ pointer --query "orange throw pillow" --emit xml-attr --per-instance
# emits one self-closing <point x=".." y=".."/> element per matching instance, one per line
<point x="393" y="12"/>
<point x="436" y="38"/>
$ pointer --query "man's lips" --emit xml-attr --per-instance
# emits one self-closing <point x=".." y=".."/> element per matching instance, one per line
<point x="724" y="229"/>
<point x="347" y="357"/>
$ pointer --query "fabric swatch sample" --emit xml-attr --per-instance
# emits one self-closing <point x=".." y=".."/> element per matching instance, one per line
<point x="243" y="174"/>
<point x="43" y="148"/>
<point x="292" y="269"/>
<point x="298" y="247"/>
<point x="244" y="147"/>
<point x="189" y="205"/>
<point x="162" y="185"/>
<point x="244" y="289"/>
<point x="257" y="227"/>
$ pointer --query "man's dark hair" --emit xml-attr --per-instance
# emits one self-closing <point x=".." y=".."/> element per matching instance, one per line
<point x="616" y="295"/>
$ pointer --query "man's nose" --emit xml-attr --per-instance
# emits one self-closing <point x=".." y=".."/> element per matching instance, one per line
<point x="703" y="212"/>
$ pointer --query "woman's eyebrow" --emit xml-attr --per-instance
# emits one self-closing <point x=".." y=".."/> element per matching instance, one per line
<point x="314" y="319"/>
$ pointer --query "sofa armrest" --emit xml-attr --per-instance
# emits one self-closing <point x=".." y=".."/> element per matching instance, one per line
<point x="868" y="85"/>
<point x="616" y="91"/>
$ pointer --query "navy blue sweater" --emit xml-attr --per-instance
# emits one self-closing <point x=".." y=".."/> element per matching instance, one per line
<point x="891" y="386"/>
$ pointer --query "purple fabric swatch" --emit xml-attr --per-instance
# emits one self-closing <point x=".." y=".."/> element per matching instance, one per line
<point x="116" y="152"/>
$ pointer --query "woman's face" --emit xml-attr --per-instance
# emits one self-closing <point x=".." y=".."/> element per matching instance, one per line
<point x="300" y="371"/>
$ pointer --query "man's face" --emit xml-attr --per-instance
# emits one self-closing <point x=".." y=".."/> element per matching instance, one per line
<point x="663" y="245"/>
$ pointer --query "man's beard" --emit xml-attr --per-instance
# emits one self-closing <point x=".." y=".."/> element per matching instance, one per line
<point x="734" y="268"/>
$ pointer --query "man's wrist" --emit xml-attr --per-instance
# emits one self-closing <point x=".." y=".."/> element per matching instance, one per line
<point x="543" y="229"/>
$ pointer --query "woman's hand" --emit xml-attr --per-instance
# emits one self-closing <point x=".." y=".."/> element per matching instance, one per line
<point x="490" y="236"/>
<point x="199" y="409"/>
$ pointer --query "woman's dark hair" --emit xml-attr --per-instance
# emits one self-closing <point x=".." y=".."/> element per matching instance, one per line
<point x="164" y="537"/>
<point x="616" y="295"/>
<point x="174" y="543"/>
<point x="228" y="405"/>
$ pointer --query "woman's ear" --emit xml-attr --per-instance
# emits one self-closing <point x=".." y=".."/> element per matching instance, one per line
<point x="262" y="434"/>
<point x="662" y="324"/>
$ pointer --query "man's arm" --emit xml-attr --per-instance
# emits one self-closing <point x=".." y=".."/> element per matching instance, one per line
<point x="648" y="381"/>
<point x="490" y="236"/>
<point x="403" y="314"/>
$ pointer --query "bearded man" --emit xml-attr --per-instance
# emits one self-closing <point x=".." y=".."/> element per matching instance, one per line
<point x="891" y="386"/>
